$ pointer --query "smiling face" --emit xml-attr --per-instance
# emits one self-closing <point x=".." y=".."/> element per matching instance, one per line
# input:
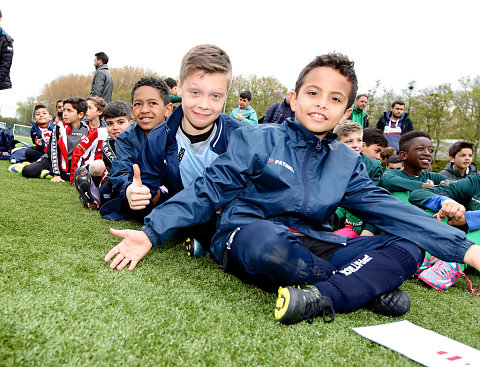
<point x="463" y="159"/>
<point x="243" y="102"/>
<point x="148" y="109"/>
<point x="418" y="155"/>
<point x="42" y="117"/>
<point x="321" y="103"/>
<point x="353" y="140"/>
<point x="203" y="95"/>
<point x="115" y="125"/>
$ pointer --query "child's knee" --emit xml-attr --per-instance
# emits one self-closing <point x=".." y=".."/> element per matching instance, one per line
<point x="97" y="168"/>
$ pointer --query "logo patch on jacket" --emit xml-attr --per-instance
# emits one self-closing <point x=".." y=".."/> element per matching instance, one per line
<point x="281" y="163"/>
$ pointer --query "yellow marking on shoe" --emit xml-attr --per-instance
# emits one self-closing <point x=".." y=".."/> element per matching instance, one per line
<point x="283" y="301"/>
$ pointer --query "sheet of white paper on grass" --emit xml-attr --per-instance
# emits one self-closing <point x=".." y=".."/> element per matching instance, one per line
<point x="422" y="345"/>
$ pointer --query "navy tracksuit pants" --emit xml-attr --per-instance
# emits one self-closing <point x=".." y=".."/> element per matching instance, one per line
<point x="353" y="275"/>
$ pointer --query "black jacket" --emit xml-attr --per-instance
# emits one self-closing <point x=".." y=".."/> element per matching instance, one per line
<point x="6" y="57"/>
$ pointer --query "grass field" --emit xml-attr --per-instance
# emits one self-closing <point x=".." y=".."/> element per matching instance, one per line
<point x="61" y="305"/>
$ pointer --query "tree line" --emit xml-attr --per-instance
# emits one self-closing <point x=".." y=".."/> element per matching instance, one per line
<point x="442" y="112"/>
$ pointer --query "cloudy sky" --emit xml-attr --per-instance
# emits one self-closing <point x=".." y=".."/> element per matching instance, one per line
<point x="431" y="42"/>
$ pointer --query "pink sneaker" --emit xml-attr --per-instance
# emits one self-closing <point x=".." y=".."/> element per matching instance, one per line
<point x="442" y="275"/>
<point x="427" y="263"/>
<point x="347" y="231"/>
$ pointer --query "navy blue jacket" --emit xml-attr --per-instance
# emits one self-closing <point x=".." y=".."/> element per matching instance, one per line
<point x="127" y="146"/>
<point x="35" y="131"/>
<point x="278" y="112"/>
<point x="158" y="158"/>
<point x="285" y="174"/>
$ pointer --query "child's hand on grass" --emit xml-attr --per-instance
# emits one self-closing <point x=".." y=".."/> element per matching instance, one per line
<point x="134" y="246"/>
<point x="138" y="195"/>
<point x="57" y="179"/>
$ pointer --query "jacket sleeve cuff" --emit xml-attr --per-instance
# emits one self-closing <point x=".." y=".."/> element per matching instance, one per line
<point x="154" y="239"/>
<point x="473" y="220"/>
<point x="435" y="202"/>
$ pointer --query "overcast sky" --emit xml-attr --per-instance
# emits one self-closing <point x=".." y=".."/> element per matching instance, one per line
<point x="431" y="42"/>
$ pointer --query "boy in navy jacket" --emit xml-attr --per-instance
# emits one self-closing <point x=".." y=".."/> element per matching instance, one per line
<point x="293" y="176"/>
<point x="177" y="152"/>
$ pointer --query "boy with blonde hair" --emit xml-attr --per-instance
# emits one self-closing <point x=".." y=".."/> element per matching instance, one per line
<point x="177" y="152"/>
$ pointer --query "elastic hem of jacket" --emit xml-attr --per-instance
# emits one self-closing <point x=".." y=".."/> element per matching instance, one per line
<point x="154" y="239"/>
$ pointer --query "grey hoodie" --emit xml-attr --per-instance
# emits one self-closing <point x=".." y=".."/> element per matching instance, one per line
<point x="454" y="174"/>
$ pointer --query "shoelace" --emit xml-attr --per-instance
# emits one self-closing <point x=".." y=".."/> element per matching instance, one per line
<point x="474" y="291"/>
<point x="316" y="307"/>
<point x="443" y="272"/>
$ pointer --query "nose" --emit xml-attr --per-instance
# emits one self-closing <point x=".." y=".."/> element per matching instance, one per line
<point x="203" y="102"/>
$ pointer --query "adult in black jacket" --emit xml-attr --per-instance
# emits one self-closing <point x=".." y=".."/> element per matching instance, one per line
<point x="278" y="112"/>
<point x="6" y="56"/>
<point x="395" y="123"/>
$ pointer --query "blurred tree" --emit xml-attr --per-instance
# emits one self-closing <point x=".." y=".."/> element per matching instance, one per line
<point x="467" y="109"/>
<point x="25" y="111"/>
<point x="124" y="79"/>
<point x="65" y="86"/>
<point x="433" y="113"/>
<point x="265" y="91"/>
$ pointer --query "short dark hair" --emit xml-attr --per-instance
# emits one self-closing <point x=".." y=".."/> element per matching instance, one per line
<point x="394" y="159"/>
<point x="335" y="61"/>
<point x="117" y="109"/>
<point x="407" y="138"/>
<point x="0" y="14"/>
<point x="78" y="103"/>
<point x="397" y="102"/>
<point x="458" y="146"/>
<point x="388" y="152"/>
<point x="171" y="82"/>
<point x="154" y="82"/>
<point x="372" y="135"/>
<point x="38" y="106"/>
<point x="58" y="100"/>
<point x="102" y="56"/>
<point x="361" y="95"/>
<point x="246" y="94"/>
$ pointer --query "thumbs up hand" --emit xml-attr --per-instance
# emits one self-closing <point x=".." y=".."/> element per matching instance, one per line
<point x="138" y="195"/>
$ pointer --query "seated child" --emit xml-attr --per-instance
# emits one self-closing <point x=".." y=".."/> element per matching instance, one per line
<point x="416" y="152"/>
<point x="94" y="115"/>
<point x="387" y="153"/>
<point x="177" y="152"/>
<point x="294" y="175"/>
<point x="94" y="193"/>
<point x="40" y="132"/>
<point x="350" y="133"/>
<point x="460" y="203"/>
<point x="374" y="142"/>
<point x="394" y="162"/>
<point x="172" y="89"/>
<point x="150" y="106"/>
<point x="461" y="161"/>
<point x="244" y="112"/>
<point x="65" y="137"/>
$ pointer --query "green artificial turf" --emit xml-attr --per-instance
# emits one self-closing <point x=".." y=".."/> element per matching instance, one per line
<point x="60" y="303"/>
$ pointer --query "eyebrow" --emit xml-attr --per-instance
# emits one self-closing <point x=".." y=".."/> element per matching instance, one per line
<point x="318" y="88"/>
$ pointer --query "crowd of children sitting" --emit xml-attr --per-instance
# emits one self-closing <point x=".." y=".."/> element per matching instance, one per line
<point x="214" y="174"/>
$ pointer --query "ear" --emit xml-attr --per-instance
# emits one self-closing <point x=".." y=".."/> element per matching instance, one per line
<point x="403" y="155"/>
<point x="452" y="159"/>
<point x="81" y="115"/>
<point x="179" y="89"/>
<point x="168" y="109"/>
<point x="346" y="114"/>
<point x="293" y="101"/>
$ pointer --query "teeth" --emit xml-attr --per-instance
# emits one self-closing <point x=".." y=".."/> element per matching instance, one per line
<point x="316" y="115"/>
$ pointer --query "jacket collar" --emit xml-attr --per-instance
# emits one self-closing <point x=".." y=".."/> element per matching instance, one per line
<point x="304" y="137"/>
